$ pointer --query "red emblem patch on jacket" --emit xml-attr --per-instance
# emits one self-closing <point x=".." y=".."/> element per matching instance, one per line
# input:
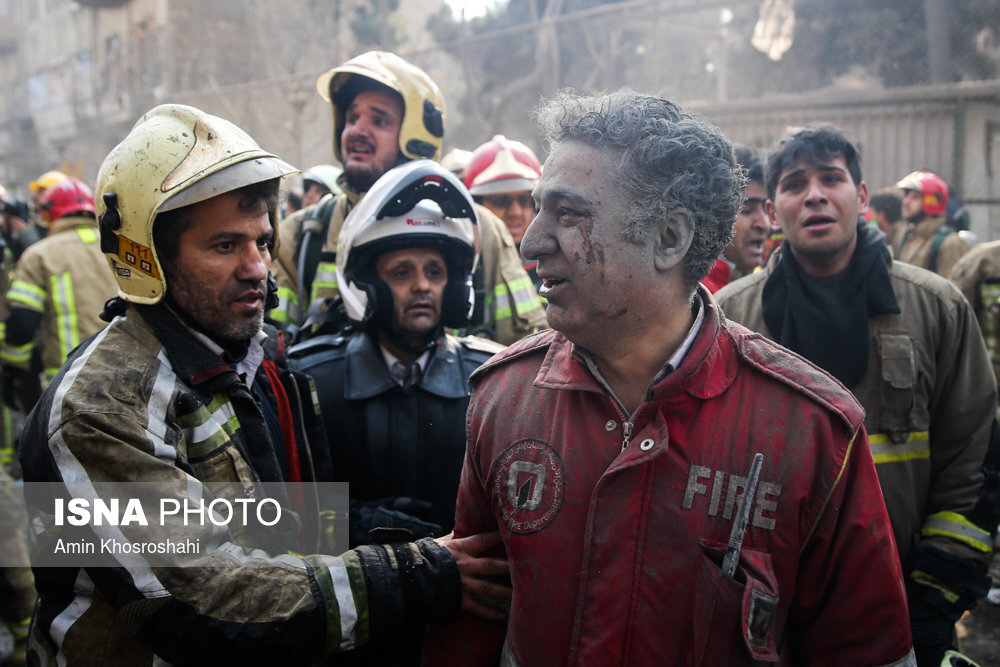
<point x="528" y="486"/>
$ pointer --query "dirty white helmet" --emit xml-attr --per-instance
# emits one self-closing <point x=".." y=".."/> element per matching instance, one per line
<point x="174" y="156"/>
<point x="423" y="104"/>
<point x="324" y="174"/>
<point x="419" y="204"/>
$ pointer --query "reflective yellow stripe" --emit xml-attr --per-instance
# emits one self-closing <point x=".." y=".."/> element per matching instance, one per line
<point x="325" y="279"/>
<point x="288" y="303"/>
<point x="957" y="527"/>
<point x="884" y="450"/>
<point x="87" y="234"/>
<point x="16" y="354"/>
<point x="525" y="296"/>
<point x="925" y="579"/>
<point x="27" y="295"/>
<point x="67" y="322"/>
<point x="9" y="436"/>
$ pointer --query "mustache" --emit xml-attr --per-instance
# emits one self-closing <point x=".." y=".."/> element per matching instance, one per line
<point x="429" y="301"/>
<point x="361" y="142"/>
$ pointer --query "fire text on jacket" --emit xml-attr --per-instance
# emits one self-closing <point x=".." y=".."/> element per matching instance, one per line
<point x="722" y="490"/>
<point x="528" y="486"/>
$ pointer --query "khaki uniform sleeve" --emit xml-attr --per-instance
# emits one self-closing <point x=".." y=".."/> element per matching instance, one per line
<point x="513" y="307"/>
<point x="286" y="272"/>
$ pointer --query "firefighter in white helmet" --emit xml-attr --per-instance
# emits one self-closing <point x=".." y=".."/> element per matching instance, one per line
<point x="318" y="182"/>
<point x="394" y="391"/>
<point x="386" y="111"/>
<point x="187" y="393"/>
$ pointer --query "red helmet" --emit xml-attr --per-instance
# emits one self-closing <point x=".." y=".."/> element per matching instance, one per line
<point x="63" y="198"/>
<point x="501" y="165"/>
<point x="931" y="186"/>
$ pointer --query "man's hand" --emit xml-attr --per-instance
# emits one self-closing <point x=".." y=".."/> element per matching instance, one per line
<point x="480" y="596"/>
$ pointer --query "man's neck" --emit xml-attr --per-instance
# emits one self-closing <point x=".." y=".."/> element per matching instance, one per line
<point x="405" y="355"/>
<point x="630" y="367"/>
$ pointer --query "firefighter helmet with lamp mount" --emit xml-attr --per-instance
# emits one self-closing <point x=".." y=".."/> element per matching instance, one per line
<point x="423" y="104"/>
<point x="174" y="156"/>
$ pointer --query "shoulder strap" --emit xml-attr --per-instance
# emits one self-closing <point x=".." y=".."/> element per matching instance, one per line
<point x="939" y="237"/>
<point x="314" y="227"/>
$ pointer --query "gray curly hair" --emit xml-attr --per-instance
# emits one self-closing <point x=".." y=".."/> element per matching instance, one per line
<point x="670" y="161"/>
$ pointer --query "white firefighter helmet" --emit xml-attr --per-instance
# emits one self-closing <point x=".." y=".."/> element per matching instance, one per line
<point x="423" y="104"/>
<point x="416" y="205"/>
<point x="174" y="156"/>
<point x="325" y="175"/>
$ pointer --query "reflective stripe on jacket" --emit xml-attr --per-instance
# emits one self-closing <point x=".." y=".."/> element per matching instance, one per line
<point x="66" y="278"/>
<point x="929" y="398"/>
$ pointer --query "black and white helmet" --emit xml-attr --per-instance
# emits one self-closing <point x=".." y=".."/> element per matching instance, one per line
<point x="416" y="205"/>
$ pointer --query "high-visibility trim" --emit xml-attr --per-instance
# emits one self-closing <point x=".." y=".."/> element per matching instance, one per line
<point x="498" y="304"/>
<point x="87" y="234"/>
<point x="27" y="295"/>
<point x="525" y="295"/>
<point x="884" y="450"/>
<point x="67" y="321"/>
<point x="209" y="427"/>
<point x="288" y="305"/>
<point x="325" y="279"/>
<point x="314" y="395"/>
<point x="957" y="527"/>
<point x="518" y="296"/>
<point x="931" y="581"/>
<point x="18" y="355"/>
<point x="9" y="435"/>
<point x="342" y="585"/>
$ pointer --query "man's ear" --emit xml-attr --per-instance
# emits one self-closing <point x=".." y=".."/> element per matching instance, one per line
<point x="673" y="239"/>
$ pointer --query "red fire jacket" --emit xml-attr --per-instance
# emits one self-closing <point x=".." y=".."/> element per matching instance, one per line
<point x="615" y="551"/>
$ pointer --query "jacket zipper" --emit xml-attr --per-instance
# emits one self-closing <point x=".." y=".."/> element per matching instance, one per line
<point x="627" y="427"/>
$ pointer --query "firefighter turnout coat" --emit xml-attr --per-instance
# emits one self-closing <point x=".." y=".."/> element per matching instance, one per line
<point x="61" y="283"/>
<point x="145" y="401"/>
<point x="616" y="526"/>
<point x="929" y="397"/>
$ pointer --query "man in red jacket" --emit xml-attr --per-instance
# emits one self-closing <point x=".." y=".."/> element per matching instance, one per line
<point x="612" y="451"/>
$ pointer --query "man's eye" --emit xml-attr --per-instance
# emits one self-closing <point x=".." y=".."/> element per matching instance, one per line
<point x="569" y="213"/>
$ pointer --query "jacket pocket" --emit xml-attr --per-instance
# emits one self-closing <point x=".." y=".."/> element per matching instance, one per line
<point x="899" y="384"/>
<point x="735" y="619"/>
